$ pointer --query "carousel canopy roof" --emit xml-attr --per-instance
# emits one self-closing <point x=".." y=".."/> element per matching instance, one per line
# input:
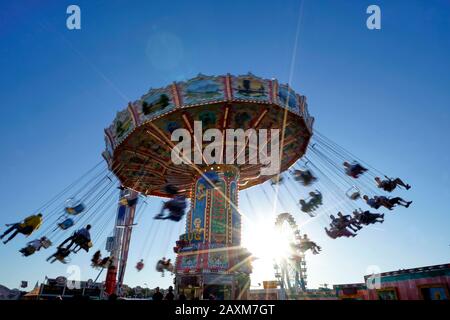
<point x="139" y="145"/>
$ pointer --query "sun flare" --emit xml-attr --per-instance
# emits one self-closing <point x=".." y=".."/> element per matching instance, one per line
<point x="268" y="245"/>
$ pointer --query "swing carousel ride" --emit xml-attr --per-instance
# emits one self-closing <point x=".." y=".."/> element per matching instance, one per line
<point x="209" y="257"/>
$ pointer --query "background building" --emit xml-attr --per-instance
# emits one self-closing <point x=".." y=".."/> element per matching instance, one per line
<point x="352" y="291"/>
<point x="425" y="283"/>
<point x="60" y="287"/>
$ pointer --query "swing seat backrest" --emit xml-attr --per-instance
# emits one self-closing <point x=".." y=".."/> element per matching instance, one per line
<point x="62" y="255"/>
<point x="29" y="250"/>
<point x="46" y="243"/>
<point x="83" y="244"/>
<point x="66" y="224"/>
<point x="79" y="208"/>
<point x="355" y="196"/>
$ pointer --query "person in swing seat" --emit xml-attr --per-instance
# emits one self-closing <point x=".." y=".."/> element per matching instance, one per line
<point x="354" y="169"/>
<point x="140" y="265"/>
<point x="366" y="217"/>
<point x="80" y="238"/>
<point x="306" y="177"/>
<point x="35" y="245"/>
<point x="377" y="201"/>
<point x="176" y="208"/>
<point x="389" y="184"/>
<point x="61" y="254"/>
<point x="26" y="227"/>
<point x="348" y="222"/>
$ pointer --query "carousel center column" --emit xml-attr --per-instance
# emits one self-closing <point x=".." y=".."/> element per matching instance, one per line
<point x="209" y="253"/>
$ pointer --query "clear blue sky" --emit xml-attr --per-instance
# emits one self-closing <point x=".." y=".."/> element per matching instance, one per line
<point x="385" y="95"/>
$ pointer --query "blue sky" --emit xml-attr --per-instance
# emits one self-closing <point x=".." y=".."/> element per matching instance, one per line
<point x="382" y="94"/>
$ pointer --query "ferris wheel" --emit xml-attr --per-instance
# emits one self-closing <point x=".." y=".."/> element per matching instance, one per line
<point x="290" y="269"/>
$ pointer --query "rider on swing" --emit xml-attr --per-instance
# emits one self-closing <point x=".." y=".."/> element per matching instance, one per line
<point x="313" y="203"/>
<point x="377" y="201"/>
<point x="27" y="227"/>
<point x="164" y="265"/>
<point x="305" y="177"/>
<point x="354" y="169"/>
<point x="140" y="265"/>
<point x="348" y="222"/>
<point x="366" y="217"/>
<point x="81" y="238"/>
<point x="390" y="184"/>
<point x="96" y="258"/>
<point x="176" y="206"/>
<point x="338" y="228"/>
<point x="61" y="254"/>
<point x="35" y="245"/>
<point x="337" y="233"/>
<point x="99" y="262"/>
<point x="306" y="244"/>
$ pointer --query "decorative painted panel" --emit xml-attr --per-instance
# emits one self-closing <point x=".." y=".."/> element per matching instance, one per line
<point x="288" y="99"/>
<point x="235" y="216"/>
<point x="250" y="88"/>
<point x="202" y="89"/>
<point x="198" y="214"/>
<point x="155" y="103"/>
<point x="218" y="214"/>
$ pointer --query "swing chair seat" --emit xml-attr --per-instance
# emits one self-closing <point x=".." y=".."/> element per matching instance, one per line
<point x="355" y="196"/>
<point x="84" y="245"/>
<point x="63" y="260"/>
<point x="46" y="243"/>
<point x="139" y="266"/>
<point x="27" y="251"/>
<point x="306" y="209"/>
<point x="75" y="210"/>
<point x="62" y="257"/>
<point x="66" y="224"/>
<point x="353" y="193"/>
<point x="25" y="230"/>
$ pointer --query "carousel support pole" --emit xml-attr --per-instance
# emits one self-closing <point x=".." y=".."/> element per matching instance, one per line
<point x="122" y="236"/>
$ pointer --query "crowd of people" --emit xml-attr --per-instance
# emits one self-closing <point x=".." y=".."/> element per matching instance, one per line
<point x="169" y="295"/>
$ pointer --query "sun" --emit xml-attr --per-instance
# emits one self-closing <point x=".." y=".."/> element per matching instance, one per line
<point x="268" y="246"/>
